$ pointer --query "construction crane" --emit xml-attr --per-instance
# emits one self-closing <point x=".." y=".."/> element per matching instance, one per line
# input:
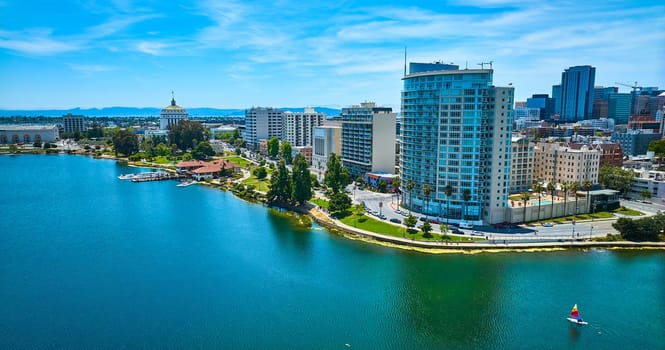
<point x="634" y="87"/>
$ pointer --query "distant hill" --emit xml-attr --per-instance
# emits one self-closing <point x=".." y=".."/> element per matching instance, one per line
<point x="140" y="112"/>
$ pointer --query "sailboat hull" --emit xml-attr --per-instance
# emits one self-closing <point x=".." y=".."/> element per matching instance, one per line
<point x="576" y="321"/>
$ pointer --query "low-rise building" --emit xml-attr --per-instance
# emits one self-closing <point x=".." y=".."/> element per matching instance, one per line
<point x="28" y="133"/>
<point x="651" y="181"/>
<point x="559" y="162"/>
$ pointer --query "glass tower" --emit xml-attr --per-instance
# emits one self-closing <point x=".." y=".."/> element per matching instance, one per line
<point x="456" y="133"/>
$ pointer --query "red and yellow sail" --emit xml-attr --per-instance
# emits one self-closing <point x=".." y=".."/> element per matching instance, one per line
<point x="574" y="313"/>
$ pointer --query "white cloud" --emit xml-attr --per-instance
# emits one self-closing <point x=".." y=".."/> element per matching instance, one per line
<point x="36" y="41"/>
<point x="151" y="47"/>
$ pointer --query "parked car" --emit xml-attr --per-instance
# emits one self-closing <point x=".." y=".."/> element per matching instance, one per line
<point x="455" y="230"/>
<point x="547" y="224"/>
<point x="395" y="220"/>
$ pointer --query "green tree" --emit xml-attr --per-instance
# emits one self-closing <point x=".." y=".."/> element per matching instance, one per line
<point x="260" y="172"/>
<point x="340" y="202"/>
<point x="163" y="150"/>
<point x="125" y="142"/>
<point x="427" y="229"/>
<point x="466" y="197"/>
<point x="551" y="187"/>
<point x="538" y="188"/>
<point x="574" y="186"/>
<point x="336" y="176"/>
<point x="645" y="194"/>
<point x="410" y="222"/>
<point x="524" y="197"/>
<point x="147" y="146"/>
<point x="280" y="184"/>
<point x="301" y="179"/>
<point x="565" y="187"/>
<point x="444" y="231"/>
<point x="382" y="186"/>
<point x="185" y="134"/>
<point x="272" y="147"/>
<point x="286" y="152"/>
<point x="202" y="150"/>
<point x="409" y="186"/>
<point x="615" y="178"/>
<point x="646" y="229"/>
<point x="427" y="190"/>
<point x="587" y="185"/>
<point x="358" y="211"/>
<point x="448" y="190"/>
<point x="658" y="147"/>
<point x="396" y="183"/>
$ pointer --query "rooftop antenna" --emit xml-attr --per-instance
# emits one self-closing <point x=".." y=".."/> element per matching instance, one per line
<point x="405" y="60"/>
<point x="482" y="64"/>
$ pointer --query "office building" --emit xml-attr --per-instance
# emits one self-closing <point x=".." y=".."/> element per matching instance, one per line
<point x="327" y="140"/>
<point x="368" y="139"/>
<point x="456" y="131"/>
<point x="635" y="142"/>
<point x="543" y="103"/>
<point x="262" y="123"/>
<point x="618" y="107"/>
<point x="73" y="123"/>
<point x="577" y="92"/>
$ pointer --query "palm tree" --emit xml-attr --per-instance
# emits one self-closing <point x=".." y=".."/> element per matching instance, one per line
<point x="448" y="190"/>
<point x="587" y="187"/>
<point x="427" y="190"/>
<point x="409" y="186"/>
<point x="466" y="196"/>
<point x="551" y="187"/>
<point x="565" y="187"/>
<point x="538" y="188"/>
<point x="396" y="184"/>
<point x="574" y="186"/>
<point x="525" y="196"/>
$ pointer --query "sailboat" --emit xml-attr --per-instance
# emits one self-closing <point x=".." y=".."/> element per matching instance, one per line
<point x="575" y="316"/>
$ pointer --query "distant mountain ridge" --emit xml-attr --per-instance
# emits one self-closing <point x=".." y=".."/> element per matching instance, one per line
<point x="141" y="112"/>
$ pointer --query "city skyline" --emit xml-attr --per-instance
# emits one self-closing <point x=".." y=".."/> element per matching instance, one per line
<point x="231" y="54"/>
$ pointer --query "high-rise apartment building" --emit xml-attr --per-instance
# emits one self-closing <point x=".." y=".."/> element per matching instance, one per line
<point x="577" y="92"/>
<point x="456" y="131"/>
<point x="262" y="123"/>
<point x="368" y="139"/>
<point x="73" y="123"/>
<point x="299" y="126"/>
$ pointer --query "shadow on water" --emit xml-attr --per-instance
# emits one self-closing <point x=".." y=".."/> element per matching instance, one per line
<point x="574" y="332"/>
<point x="288" y="232"/>
<point x="452" y="300"/>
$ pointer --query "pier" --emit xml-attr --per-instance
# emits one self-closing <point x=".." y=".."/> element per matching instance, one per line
<point x="158" y="176"/>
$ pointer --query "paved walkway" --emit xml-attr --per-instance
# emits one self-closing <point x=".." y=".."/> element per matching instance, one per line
<point x="325" y="220"/>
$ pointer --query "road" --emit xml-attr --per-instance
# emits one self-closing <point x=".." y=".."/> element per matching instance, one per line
<point x="386" y="204"/>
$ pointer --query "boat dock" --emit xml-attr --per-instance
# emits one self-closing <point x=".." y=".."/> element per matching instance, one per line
<point x="157" y="176"/>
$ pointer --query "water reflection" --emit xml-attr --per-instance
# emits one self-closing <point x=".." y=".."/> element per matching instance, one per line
<point x="574" y="333"/>
<point x="452" y="300"/>
<point x="289" y="234"/>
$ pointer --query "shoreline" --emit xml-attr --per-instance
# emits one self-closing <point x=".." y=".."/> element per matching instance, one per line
<point x="431" y="247"/>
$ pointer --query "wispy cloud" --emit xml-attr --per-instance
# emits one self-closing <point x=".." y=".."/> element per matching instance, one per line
<point x="90" y="69"/>
<point x="35" y="42"/>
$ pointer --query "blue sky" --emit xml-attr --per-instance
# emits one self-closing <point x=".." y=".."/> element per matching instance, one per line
<point x="238" y="54"/>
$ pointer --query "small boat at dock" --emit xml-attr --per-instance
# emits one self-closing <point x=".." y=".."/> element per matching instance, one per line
<point x="186" y="183"/>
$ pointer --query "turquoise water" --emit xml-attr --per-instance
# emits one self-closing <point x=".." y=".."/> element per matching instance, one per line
<point x="90" y="261"/>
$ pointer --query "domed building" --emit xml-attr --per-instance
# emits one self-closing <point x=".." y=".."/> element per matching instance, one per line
<point x="171" y="115"/>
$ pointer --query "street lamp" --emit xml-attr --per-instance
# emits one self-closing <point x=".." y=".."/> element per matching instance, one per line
<point x="590" y="231"/>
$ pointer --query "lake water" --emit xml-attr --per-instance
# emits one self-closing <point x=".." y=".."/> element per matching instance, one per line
<point x="90" y="261"/>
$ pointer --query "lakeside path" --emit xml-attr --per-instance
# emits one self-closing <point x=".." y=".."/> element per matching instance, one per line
<point x="461" y="247"/>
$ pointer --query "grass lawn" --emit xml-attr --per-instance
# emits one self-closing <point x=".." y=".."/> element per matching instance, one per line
<point x="320" y="202"/>
<point x="238" y="161"/>
<point x="373" y="225"/>
<point x="161" y="160"/>
<point x="630" y="212"/>
<point x="259" y="185"/>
